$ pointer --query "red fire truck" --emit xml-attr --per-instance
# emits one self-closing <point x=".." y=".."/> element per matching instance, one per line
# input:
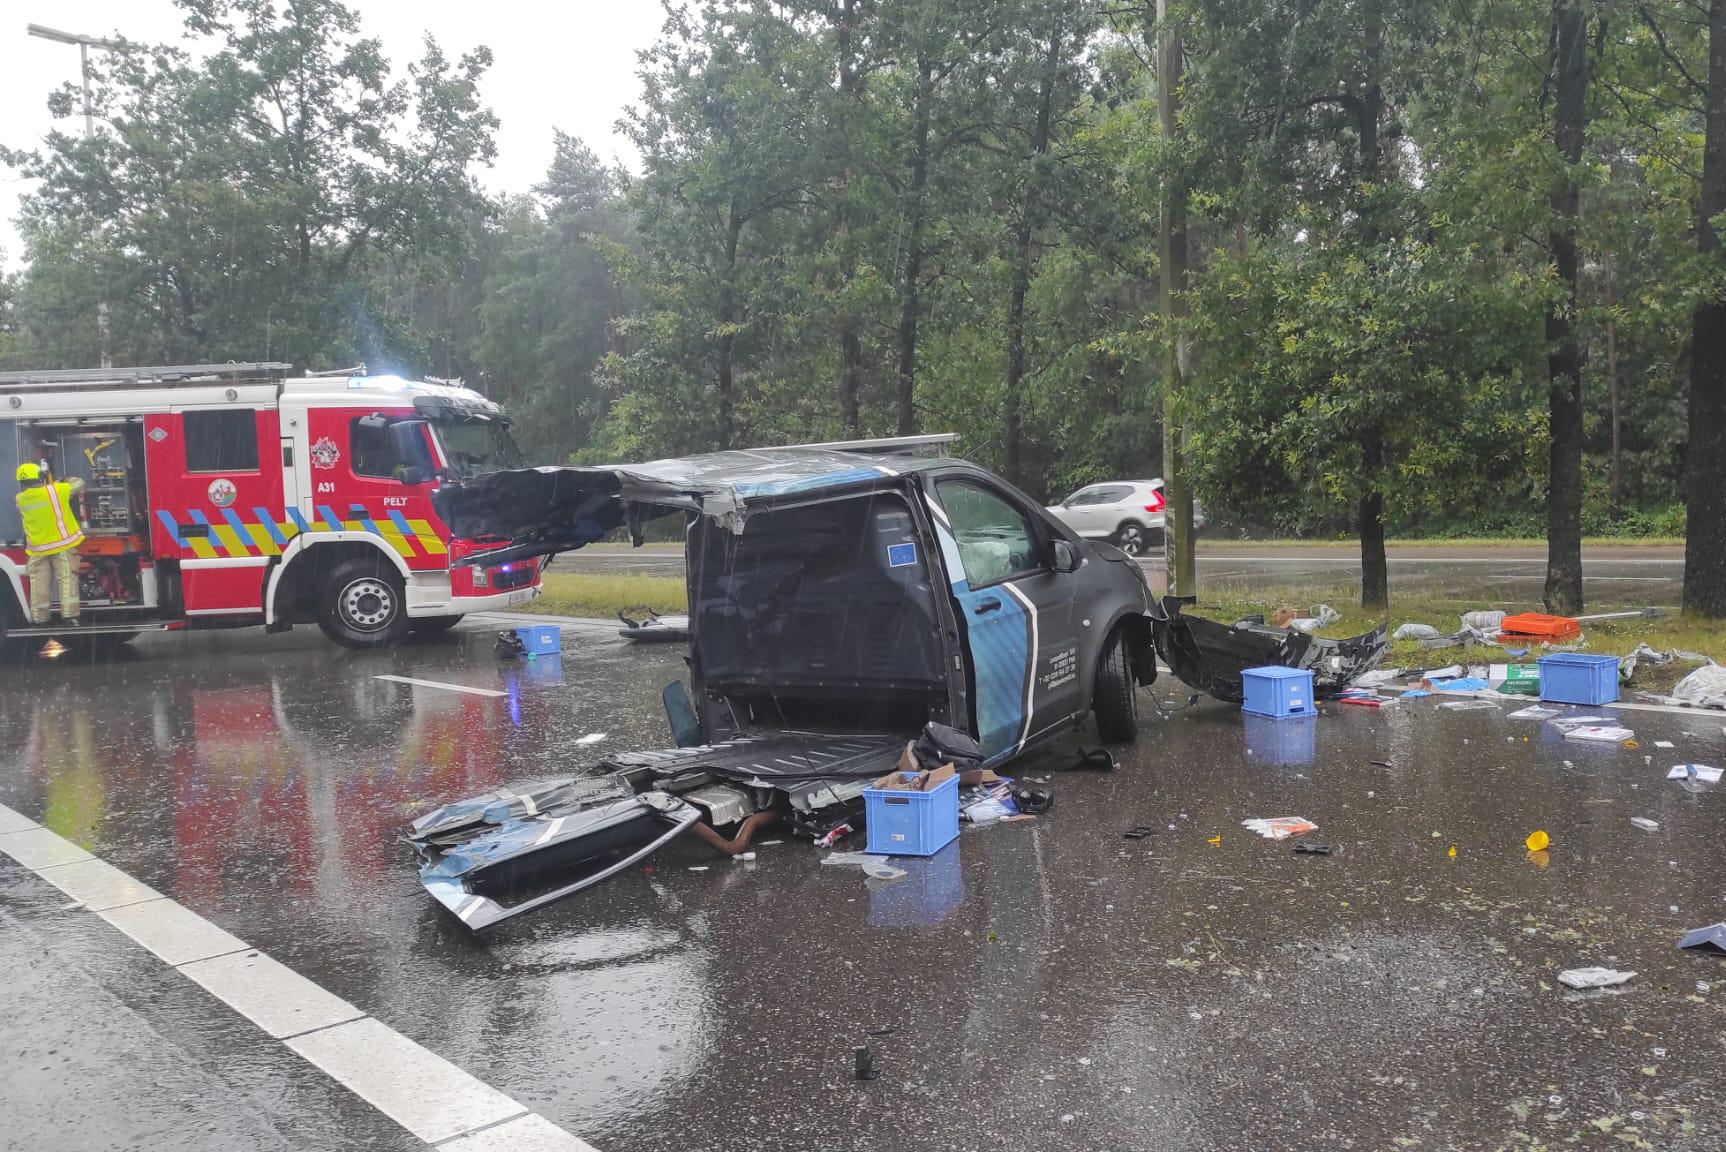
<point x="225" y="495"/>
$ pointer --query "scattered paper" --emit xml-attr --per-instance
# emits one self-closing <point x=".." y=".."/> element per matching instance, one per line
<point x="1645" y="823"/>
<point x="1280" y="827"/>
<point x="1534" y="712"/>
<point x="1699" y="772"/>
<point x="1468" y="705"/>
<point x="591" y="738"/>
<point x="1604" y="734"/>
<point x="1663" y="744"/>
<point x="1593" y="977"/>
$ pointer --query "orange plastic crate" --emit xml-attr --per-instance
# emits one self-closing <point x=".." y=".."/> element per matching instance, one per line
<point x="1539" y="626"/>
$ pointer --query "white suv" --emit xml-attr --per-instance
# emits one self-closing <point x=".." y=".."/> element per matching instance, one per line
<point x="1128" y="513"/>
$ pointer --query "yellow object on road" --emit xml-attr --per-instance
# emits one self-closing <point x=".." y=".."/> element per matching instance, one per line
<point x="1538" y="841"/>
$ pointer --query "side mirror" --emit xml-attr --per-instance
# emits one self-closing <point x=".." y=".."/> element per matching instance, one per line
<point x="1066" y="556"/>
<point x="415" y="474"/>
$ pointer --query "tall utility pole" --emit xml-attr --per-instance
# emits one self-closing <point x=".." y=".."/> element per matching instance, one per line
<point x="85" y="43"/>
<point x="1178" y="560"/>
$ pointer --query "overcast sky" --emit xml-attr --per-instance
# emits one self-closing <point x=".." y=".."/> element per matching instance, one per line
<point x="568" y="65"/>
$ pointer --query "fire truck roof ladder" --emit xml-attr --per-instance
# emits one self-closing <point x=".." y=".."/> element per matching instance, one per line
<point x="166" y="375"/>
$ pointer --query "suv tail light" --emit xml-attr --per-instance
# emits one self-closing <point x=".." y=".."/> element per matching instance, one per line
<point x="1156" y="504"/>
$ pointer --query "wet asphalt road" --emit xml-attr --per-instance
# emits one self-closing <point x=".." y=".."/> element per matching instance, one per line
<point x="1047" y="984"/>
<point x="1481" y="577"/>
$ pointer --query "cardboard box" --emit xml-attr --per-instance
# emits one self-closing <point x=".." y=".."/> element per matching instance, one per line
<point x="901" y="780"/>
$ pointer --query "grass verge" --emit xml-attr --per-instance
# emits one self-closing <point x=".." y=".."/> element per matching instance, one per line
<point x="1604" y="637"/>
<point x="1209" y="544"/>
<point x="604" y="594"/>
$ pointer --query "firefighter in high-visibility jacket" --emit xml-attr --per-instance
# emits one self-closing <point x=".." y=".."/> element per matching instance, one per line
<point x="51" y="539"/>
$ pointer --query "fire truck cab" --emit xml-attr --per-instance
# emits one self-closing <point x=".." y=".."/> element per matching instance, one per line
<point x="227" y="495"/>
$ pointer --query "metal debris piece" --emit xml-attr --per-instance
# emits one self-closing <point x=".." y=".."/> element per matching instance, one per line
<point x="1584" y="978"/>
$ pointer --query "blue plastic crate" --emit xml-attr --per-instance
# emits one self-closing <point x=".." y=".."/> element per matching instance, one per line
<point x="1277" y="692"/>
<point x="1289" y="740"/>
<point x="912" y="823"/>
<point x="541" y="639"/>
<point x="1573" y="678"/>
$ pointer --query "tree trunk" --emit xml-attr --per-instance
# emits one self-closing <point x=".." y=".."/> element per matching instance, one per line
<point x="1705" y="458"/>
<point x="1564" y="355"/>
<point x="850" y="342"/>
<point x="1011" y="418"/>
<point x="910" y="299"/>
<point x="722" y="382"/>
<point x="1612" y="394"/>
<point x="1374" y="571"/>
<point x="1179" y="563"/>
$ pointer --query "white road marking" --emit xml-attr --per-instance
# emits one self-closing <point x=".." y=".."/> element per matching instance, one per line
<point x="38" y="848"/>
<point x="269" y="993"/>
<point x="523" y="1134"/>
<point x="175" y="934"/>
<point x="418" y="1089"/>
<point x="440" y="684"/>
<point x="98" y="884"/>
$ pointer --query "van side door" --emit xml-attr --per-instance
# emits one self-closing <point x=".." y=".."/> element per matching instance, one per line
<point x="1016" y="613"/>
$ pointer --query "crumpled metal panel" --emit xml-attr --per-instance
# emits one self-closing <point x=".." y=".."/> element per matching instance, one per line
<point x="1211" y="657"/>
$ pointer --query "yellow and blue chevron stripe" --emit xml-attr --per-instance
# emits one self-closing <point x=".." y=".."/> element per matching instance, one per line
<point x="264" y="535"/>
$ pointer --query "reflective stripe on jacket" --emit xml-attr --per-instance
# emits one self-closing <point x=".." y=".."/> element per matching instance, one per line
<point x="49" y="525"/>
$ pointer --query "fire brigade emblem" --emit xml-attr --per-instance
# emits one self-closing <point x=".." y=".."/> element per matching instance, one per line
<point x="222" y="492"/>
<point x="325" y="453"/>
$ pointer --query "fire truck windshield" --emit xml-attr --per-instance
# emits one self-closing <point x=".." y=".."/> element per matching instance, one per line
<point x="475" y="445"/>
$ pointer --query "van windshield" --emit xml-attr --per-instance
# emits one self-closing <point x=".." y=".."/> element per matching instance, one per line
<point x="475" y="445"/>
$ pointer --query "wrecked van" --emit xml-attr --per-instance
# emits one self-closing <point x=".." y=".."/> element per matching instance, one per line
<point x="842" y="599"/>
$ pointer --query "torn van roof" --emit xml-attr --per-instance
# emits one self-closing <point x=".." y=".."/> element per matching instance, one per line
<point x="543" y="510"/>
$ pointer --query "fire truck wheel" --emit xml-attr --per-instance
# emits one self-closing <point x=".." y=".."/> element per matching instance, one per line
<point x="432" y="625"/>
<point x="363" y="605"/>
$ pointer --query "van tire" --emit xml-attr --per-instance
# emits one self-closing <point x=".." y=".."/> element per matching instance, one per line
<point x="432" y="625"/>
<point x="363" y="604"/>
<point x="1114" y="697"/>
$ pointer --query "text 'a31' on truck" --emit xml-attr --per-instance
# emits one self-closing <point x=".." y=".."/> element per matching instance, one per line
<point x="219" y="496"/>
<point x="842" y="599"/>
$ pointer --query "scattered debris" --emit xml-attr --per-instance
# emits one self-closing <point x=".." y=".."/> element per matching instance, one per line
<point x="865" y="1066"/>
<point x="1468" y="705"/>
<point x="1694" y="773"/>
<point x="1584" y="978"/>
<point x="1139" y="832"/>
<point x="698" y="867"/>
<point x="590" y="738"/>
<point x="1604" y="734"/>
<point x="1458" y="684"/>
<point x="1452" y="852"/>
<point x="1278" y="827"/>
<point x="874" y="866"/>
<point x="1215" y="841"/>
<point x="1323" y="616"/>
<point x="1711" y="939"/>
<point x="1704" y="688"/>
<point x="1416" y="632"/>
<point x="1538" y="841"/>
<point x="1312" y="848"/>
<point x="1485" y="621"/>
<point x="1645" y="823"/>
<point x="1415" y="693"/>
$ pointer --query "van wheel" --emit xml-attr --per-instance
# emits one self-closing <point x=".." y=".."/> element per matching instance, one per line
<point x="1114" y="698"/>
<point x="362" y="604"/>
<point x="432" y="625"/>
<point x="1131" y="538"/>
